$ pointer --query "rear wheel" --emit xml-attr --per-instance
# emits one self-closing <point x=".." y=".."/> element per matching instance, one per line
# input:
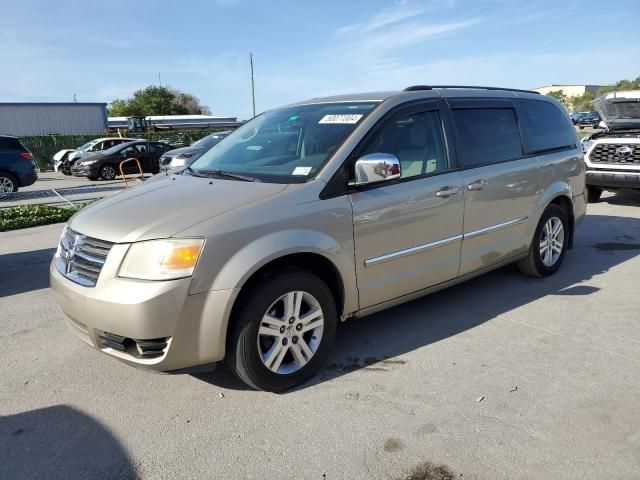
<point x="108" y="172"/>
<point x="282" y="331"/>
<point x="593" y="194"/>
<point x="8" y="183"/>
<point x="549" y="244"/>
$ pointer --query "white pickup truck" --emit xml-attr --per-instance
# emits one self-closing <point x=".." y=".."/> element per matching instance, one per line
<point x="612" y="155"/>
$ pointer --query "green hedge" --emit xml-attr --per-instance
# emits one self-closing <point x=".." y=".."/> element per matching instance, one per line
<point x="26" y="216"/>
<point x="46" y="146"/>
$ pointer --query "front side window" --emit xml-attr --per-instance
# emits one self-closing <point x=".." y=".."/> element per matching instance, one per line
<point x="416" y="139"/>
<point x="486" y="135"/>
<point x="287" y="145"/>
<point x="547" y="127"/>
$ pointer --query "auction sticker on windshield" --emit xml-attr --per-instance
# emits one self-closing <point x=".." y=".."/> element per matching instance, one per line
<point x="343" y="119"/>
<point x="301" y="170"/>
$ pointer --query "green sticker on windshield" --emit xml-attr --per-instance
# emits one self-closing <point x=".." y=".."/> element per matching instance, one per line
<point x="293" y="118"/>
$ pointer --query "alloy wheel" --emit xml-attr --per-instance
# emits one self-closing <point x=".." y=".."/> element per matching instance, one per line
<point x="551" y="241"/>
<point x="108" y="172"/>
<point x="290" y="332"/>
<point x="6" y="185"/>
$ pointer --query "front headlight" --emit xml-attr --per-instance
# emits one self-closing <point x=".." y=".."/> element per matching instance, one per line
<point x="161" y="259"/>
<point x="88" y="162"/>
<point x="185" y="155"/>
<point x="586" y="145"/>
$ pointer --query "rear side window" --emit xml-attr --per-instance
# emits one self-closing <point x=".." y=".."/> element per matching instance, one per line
<point x="546" y="126"/>
<point x="10" y="143"/>
<point x="486" y="135"/>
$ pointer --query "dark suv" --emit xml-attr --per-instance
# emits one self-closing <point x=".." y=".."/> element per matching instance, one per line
<point x="16" y="165"/>
<point x="591" y="119"/>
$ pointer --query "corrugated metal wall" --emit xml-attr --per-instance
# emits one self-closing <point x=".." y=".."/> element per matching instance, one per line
<point x="22" y="119"/>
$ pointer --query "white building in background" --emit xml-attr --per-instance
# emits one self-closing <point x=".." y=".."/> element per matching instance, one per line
<point x="569" y="90"/>
<point x="44" y="118"/>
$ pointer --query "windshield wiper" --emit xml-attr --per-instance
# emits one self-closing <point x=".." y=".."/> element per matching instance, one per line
<point x="194" y="173"/>
<point x="221" y="173"/>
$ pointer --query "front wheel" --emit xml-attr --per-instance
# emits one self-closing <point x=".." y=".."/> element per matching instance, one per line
<point x="282" y="331"/>
<point x="108" y="172"/>
<point x="549" y="244"/>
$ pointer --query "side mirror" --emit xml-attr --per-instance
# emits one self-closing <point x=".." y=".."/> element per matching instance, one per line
<point x="376" y="168"/>
<point x="602" y="125"/>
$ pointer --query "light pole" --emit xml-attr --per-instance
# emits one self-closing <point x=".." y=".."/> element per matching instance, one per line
<point x="253" y="89"/>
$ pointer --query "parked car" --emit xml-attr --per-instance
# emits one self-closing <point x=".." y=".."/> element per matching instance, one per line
<point x="65" y="159"/>
<point x="315" y="213"/>
<point x="17" y="168"/>
<point x="576" y="116"/>
<point x="591" y="119"/>
<point x="106" y="164"/>
<point x="612" y="156"/>
<point x="185" y="156"/>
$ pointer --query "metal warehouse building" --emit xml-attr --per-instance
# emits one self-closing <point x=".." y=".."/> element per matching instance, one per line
<point x="22" y="119"/>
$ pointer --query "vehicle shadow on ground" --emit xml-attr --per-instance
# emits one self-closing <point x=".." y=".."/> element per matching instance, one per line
<point x="375" y="342"/>
<point x="24" y="271"/>
<point x="629" y="198"/>
<point x="60" y="442"/>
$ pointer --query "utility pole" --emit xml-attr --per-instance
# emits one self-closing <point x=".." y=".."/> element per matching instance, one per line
<point x="75" y="100"/>
<point x="162" y="103"/>
<point x="253" y="89"/>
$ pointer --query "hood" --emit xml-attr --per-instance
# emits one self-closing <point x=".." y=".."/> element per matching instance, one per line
<point x="620" y="110"/>
<point x="163" y="208"/>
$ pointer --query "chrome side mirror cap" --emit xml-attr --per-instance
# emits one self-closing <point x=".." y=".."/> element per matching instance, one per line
<point x="602" y="125"/>
<point x="376" y="168"/>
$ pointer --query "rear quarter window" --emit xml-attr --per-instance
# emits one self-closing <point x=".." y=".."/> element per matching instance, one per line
<point x="486" y="135"/>
<point x="546" y="127"/>
<point x="10" y="143"/>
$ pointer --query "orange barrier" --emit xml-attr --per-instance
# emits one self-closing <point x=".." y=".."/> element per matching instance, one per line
<point x="139" y="170"/>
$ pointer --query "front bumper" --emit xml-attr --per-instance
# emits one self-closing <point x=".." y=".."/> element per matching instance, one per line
<point x="84" y="170"/>
<point x="613" y="178"/>
<point x="194" y="326"/>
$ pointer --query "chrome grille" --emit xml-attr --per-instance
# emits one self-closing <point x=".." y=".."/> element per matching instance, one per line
<point x="81" y="258"/>
<point x="616" y="153"/>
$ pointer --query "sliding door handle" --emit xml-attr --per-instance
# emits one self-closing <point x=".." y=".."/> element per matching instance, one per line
<point x="478" y="184"/>
<point x="446" y="192"/>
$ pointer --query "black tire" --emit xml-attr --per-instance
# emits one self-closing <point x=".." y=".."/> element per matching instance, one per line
<point x="533" y="265"/>
<point x="593" y="194"/>
<point x="93" y="177"/>
<point x="107" y="172"/>
<point x="8" y="183"/>
<point x="581" y="127"/>
<point x="243" y="342"/>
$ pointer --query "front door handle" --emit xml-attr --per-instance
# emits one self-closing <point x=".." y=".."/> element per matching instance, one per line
<point x="478" y="184"/>
<point x="446" y="192"/>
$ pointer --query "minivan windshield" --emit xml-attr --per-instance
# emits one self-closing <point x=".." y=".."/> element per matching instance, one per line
<point x="287" y="145"/>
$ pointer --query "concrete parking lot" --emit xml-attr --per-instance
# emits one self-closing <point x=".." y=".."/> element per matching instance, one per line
<point x="54" y="188"/>
<point x="503" y="377"/>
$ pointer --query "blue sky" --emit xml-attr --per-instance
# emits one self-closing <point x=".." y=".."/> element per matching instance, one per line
<point x="101" y="50"/>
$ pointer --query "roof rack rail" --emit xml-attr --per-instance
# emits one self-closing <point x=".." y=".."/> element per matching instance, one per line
<point x="415" y="88"/>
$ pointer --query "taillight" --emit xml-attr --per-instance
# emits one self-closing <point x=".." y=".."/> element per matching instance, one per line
<point x="26" y="156"/>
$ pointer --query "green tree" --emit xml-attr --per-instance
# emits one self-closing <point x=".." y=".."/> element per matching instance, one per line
<point x="154" y="100"/>
<point x="581" y="103"/>
<point x="559" y="94"/>
<point x="620" y="85"/>
<point x="119" y="108"/>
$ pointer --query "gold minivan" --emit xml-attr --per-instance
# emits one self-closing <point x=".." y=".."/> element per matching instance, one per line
<point x="315" y="213"/>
